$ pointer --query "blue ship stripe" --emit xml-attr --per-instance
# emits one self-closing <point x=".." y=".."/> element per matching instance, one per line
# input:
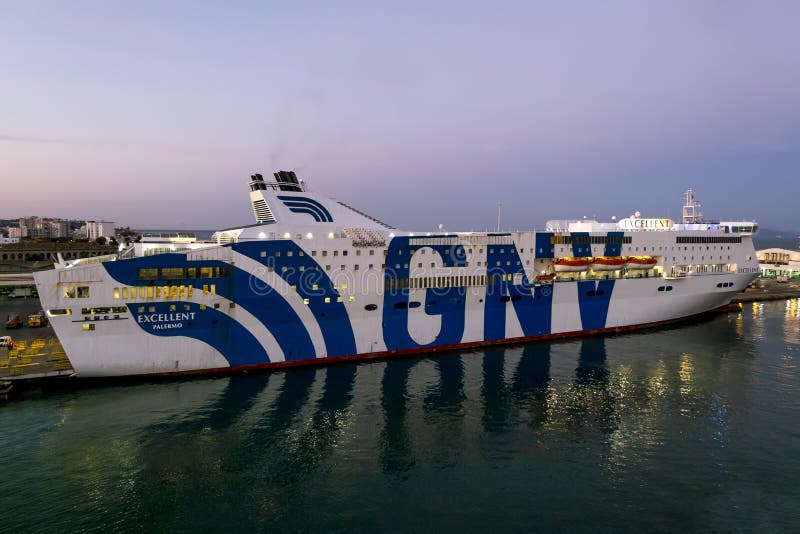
<point x="614" y="249"/>
<point x="593" y="301"/>
<point x="580" y="250"/>
<point x="317" y="216"/>
<point x="544" y="248"/>
<point x="304" y="273"/>
<point x="307" y="206"/>
<point x="210" y="326"/>
<point x="268" y="306"/>
<point x="325" y="215"/>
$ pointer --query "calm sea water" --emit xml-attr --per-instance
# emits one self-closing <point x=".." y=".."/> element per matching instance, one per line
<point x="691" y="428"/>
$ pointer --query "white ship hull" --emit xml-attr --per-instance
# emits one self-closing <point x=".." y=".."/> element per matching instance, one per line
<point x="292" y="294"/>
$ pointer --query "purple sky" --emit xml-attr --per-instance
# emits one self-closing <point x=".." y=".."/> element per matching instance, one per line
<point x="154" y="114"/>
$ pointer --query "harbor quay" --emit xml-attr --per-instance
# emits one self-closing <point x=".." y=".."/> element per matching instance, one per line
<point x="36" y="352"/>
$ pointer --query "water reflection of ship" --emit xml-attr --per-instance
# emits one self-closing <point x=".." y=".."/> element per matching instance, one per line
<point x="284" y="426"/>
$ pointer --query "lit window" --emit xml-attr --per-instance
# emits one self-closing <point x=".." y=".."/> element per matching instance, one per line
<point x="327" y="300"/>
<point x="87" y="327"/>
<point x="305" y="301"/>
<point x="124" y="292"/>
<point x="116" y="293"/>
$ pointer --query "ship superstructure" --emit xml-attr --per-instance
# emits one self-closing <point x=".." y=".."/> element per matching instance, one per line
<point x="314" y="280"/>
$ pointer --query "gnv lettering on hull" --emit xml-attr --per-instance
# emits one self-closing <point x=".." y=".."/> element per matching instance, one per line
<point x="533" y="307"/>
<point x="448" y="303"/>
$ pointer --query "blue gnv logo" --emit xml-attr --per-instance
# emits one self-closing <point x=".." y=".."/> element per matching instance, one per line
<point x="307" y="205"/>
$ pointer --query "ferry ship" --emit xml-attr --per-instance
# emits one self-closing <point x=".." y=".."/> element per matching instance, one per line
<point x="315" y="280"/>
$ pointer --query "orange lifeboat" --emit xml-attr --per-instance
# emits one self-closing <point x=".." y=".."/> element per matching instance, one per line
<point x="545" y="278"/>
<point x="641" y="262"/>
<point x="609" y="263"/>
<point x="570" y="265"/>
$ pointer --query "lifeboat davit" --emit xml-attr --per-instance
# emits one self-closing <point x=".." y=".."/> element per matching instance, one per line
<point x="570" y="265"/>
<point x="641" y="262"/>
<point x="609" y="263"/>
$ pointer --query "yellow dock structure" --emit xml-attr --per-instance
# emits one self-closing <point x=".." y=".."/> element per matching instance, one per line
<point x="34" y="358"/>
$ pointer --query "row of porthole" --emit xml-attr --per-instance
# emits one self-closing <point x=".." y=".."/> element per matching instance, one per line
<point x="45" y="255"/>
<point x="725" y="284"/>
<point x="417" y="304"/>
<point x="665" y="288"/>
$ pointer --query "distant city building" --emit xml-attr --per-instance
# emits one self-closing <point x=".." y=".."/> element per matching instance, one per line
<point x="8" y="240"/>
<point x="57" y="229"/>
<point x="33" y="227"/>
<point x="778" y="261"/>
<point x="42" y="227"/>
<point x="95" y="229"/>
<point x="13" y="231"/>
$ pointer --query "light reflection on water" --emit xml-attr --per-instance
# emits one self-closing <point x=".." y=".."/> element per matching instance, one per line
<point x="689" y="427"/>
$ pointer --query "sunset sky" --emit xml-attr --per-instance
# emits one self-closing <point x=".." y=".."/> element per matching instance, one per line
<point x="154" y="114"/>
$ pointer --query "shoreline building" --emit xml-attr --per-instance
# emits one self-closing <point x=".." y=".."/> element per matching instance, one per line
<point x="778" y="261"/>
<point x="95" y="229"/>
<point x="41" y="227"/>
